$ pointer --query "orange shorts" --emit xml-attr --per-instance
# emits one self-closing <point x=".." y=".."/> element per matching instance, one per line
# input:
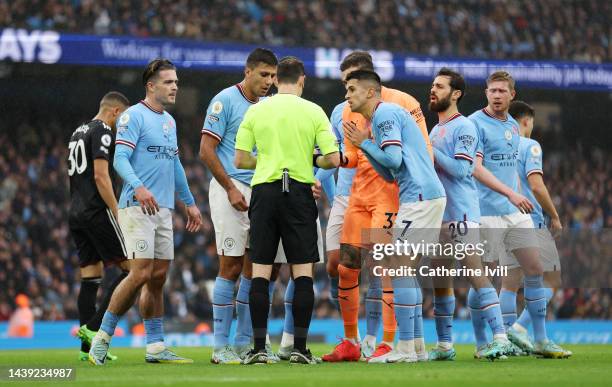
<point x="363" y="222"/>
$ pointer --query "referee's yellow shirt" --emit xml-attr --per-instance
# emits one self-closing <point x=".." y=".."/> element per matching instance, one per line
<point x="285" y="129"/>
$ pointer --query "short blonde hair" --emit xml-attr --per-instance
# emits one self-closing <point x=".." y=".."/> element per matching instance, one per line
<point x="501" y="76"/>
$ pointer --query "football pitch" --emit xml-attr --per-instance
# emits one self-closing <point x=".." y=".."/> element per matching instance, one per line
<point x="590" y="365"/>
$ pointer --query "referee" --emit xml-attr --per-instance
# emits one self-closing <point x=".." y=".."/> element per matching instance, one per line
<point x="285" y="130"/>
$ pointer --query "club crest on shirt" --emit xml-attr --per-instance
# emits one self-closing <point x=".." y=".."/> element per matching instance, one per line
<point x="508" y="135"/>
<point x="217" y="107"/>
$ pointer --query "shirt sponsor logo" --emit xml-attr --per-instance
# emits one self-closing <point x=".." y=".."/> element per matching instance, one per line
<point x="162" y="151"/>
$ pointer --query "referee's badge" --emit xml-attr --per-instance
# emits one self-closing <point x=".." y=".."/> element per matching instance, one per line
<point x="217" y="107"/>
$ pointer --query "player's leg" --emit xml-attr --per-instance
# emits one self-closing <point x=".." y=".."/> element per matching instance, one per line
<point x="351" y="255"/>
<point x="108" y="240"/>
<point x="522" y="241"/>
<point x="152" y="294"/>
<point x="91" y="278"/>
<point x="287" y="338"/>
<point x="332" y="239"/>
<point x="373" y="310"/>
<point x="507" y="294"/>
<point x="231" y="236"/>
<point x="419" y="339"/>
<point x="485" y="309"/>
<point x="415" y="222"/>
<point x="244" y="331"/>
<point x="122" y="299"/>
<point x="552" y="279"/>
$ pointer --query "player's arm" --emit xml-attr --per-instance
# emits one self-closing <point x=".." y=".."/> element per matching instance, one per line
<point x="326" y="178"/>
<point x="536" y="183"/>
<point x="194" y="218"/>
<point x="465" y="144"/>
<point x="388" y="155"/>
<point x="326" y="141"/>
<point x="382" y="171"/>
<point x="533" y="170"/>
<point x="212" y="133"/>
<point x="105" y="185"/>
<point x="245" y="160"/>
<point x="245" y="142"/>
<point x="101" y="143"/>
<point x="485" y="176"/>
<point x="453" y="166"/>
<point x="127" y="138"/>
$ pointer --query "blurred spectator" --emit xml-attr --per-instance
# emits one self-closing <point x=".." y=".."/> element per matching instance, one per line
<point x="577" y="30"/>
<point x="21" y="323"/>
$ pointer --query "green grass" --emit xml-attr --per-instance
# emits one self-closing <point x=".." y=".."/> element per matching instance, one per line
<point x="591" y="365"/>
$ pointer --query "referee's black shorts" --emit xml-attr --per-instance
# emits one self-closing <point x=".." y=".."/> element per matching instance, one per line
<point x="290" y="217"/>
<point x="98" y="238"/>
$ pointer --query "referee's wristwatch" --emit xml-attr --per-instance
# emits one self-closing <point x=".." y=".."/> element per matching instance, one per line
<point x="314" y="159"/>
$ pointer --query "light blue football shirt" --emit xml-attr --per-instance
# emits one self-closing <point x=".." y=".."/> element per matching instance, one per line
<point x="345" y="175"/>
<point x="457" y="138"/>
<point x="498" y="142"/>
<point x="151" y="137"/>
<point x="416" y="176"/>
<point x="223" y="117"/>
<point x="529" y="162"/>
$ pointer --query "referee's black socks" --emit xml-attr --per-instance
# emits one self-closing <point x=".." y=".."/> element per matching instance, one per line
<point x="259" y="305"/>
<point x="303" y="302"/>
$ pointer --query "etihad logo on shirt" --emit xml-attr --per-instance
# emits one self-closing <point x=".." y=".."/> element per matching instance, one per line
<point x="162" y="152"/>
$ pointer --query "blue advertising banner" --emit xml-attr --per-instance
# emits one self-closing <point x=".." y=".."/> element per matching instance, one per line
<point x="50" y="47"/>
<point x="61" y="334"/>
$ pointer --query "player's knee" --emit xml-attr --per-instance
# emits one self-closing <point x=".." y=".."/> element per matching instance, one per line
<point x="350" y="256"/>
<point x="158" y="279"/>
<point x="230" y="268"/>
<point x="332" y="263"/>
<point x="140" y="277"/>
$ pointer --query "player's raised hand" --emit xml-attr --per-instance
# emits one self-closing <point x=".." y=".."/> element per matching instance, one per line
<point x="147" y="201"/>
<point x="316" y="190"/>
<point x="521" y="202"/>
<point x="556" y="227"/>
<point x="194" y="219"/>
<point x="354" y="134"/>
<point x="236" y="199"/>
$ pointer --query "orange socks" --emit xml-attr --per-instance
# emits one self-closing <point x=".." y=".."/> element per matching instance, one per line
<point x="348" y="297"/>
<point x="388" y="315"/>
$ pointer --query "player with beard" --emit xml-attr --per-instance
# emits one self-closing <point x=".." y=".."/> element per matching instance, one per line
<point x="454" y="141"/>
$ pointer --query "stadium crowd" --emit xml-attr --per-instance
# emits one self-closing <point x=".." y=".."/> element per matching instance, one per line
<point x="503" y="29"/>
<point x="38" y="258"/>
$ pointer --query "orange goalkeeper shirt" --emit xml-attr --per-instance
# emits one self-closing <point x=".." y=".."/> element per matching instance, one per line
<point x="368" y="186"/>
